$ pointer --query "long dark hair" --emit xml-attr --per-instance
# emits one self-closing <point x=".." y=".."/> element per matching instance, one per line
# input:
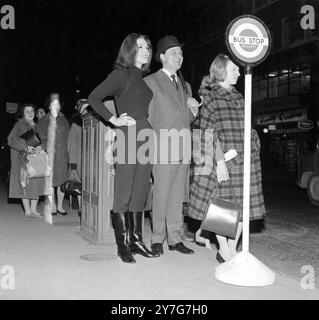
<point x="128" y="50"/>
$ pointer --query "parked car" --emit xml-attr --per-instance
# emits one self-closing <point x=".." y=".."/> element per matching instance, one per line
<point x="308" y="175"/>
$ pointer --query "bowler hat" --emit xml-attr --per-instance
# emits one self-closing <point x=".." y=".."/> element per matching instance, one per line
<point x="166" y="43"/>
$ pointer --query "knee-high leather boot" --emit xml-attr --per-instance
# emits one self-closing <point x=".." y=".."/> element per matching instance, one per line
<point x="121" y="233"/>
<point x="136" y="238"/>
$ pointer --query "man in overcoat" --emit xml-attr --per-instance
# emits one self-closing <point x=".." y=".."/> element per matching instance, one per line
<point x="171" y="111"/>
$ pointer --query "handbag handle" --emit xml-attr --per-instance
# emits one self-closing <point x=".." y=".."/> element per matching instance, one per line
<point x="73" y="167"/>
<point x="231" y="188"/>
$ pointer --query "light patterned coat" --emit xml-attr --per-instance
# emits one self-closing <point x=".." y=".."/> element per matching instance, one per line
<point x="223" y="111"/>
<point x="58" y="153"/>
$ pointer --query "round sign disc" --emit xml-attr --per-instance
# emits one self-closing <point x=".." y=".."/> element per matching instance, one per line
<point x="248" y="40"/>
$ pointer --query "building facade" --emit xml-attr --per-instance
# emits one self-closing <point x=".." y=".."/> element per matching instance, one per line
<point x="285" y="91"/>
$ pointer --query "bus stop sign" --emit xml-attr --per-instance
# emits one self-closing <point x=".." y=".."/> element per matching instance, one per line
<point x="248" y="40"/>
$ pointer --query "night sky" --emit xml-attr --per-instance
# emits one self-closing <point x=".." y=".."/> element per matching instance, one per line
<point x="71" y="45"/>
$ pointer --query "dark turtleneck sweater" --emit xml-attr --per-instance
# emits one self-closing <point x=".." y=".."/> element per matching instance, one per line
<point x="131" y="94"/>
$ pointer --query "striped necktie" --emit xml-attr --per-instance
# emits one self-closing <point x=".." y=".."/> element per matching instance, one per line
<point x="174" y="80"/>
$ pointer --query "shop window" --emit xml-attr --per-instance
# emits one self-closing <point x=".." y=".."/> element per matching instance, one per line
<point x="294" y="84"/>
<point x="273" y="85"/>
<point x="263" y="89"/>
<point x="287" y="81"/>
<point x="283" y="81"/>
<point x="305" y="81"/>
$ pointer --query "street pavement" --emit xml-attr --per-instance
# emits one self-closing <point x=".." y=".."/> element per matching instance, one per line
<point x="55" y="262"/>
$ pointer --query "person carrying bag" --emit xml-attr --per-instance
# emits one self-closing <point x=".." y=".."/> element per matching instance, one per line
<point x="72" y="186"/>
<point x="222" y="215"/>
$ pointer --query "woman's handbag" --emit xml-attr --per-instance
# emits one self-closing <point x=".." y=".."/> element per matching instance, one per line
<point x="222" y="216"/>
<point x="33" y="165"/>
<point x="31" y="138"/>
<point x="72" y="186"/>
<point x="38" y="165"/>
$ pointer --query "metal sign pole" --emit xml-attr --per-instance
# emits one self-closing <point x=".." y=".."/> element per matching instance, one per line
<point x="247" y="134"/>
<point x="248" y="40"/>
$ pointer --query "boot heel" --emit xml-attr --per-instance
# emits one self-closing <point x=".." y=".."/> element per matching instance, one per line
<point x="127" y="258"/>
<point x="136" y="242"/>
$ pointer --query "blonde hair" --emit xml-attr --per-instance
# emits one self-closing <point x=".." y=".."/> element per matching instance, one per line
<point x="217" y="73"/>
<point x="217" y="70"/>
<point x="205" y="86"/>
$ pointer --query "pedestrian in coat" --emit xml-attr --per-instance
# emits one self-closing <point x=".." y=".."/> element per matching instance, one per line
<point x="27" y="190"/>
<point x="53" y="129"/>
<point x="170" y="112"/>
<point x="75" y="151"/>
<point x="132" y="176"/>
<point x="223" y="111"/>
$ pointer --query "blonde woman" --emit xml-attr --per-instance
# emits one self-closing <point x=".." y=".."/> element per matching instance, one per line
<point x="223" y="111"/>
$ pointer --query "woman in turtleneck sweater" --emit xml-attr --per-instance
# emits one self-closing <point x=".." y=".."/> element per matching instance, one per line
<point x="131" y="184"/>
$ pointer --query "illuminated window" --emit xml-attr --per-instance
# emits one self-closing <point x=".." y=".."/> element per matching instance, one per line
<point x="305" y="81"/>
<point x="273" y="85"/>
<point x="283" y="83"/>
<point x="294" y="83"/>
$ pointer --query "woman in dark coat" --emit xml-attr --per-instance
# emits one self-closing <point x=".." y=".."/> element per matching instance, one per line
<point x="75" y="151"/>
<point x="53" y="129"/>
<point x="223" y="111"/>
<point x="131" y="181"/>
<point x="27" y="190"/>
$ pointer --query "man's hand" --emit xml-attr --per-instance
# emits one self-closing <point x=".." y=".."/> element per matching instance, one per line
<point x="193" y="105"/>
<point x="221" y="171"/>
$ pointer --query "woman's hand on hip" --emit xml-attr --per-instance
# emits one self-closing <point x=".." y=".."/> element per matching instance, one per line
<point x="123" y="120"/>
<point x="221" y="171"/>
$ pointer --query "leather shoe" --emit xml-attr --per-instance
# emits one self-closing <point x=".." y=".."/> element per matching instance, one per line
<point x="62" y="213"/>
<point x="180" y="247"/>
<point x="219" y="257"/>
<point x="200" y="243"/>
<point x="157" y="249"/>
